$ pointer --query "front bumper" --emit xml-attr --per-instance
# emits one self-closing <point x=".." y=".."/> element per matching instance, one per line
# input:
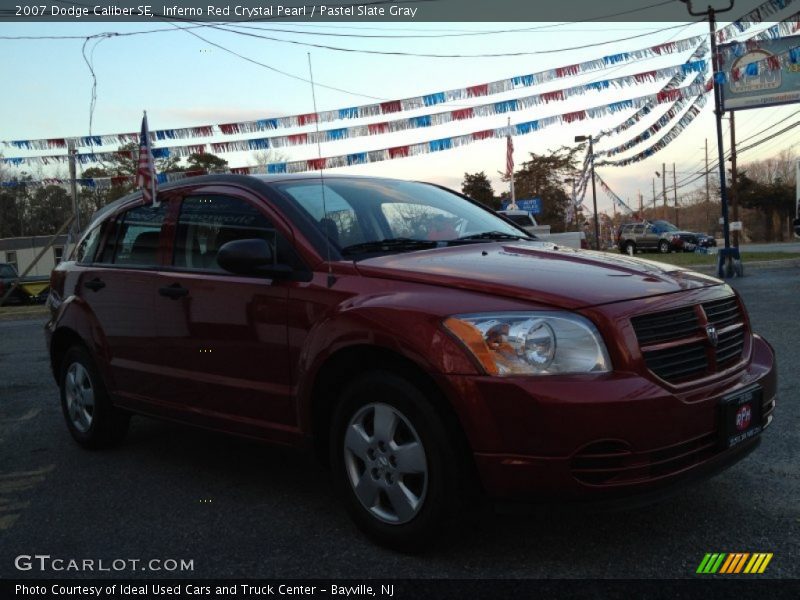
<point x="601" y="437"/>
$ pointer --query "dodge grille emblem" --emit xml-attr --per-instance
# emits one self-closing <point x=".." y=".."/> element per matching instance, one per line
<point x="713" y="338"/>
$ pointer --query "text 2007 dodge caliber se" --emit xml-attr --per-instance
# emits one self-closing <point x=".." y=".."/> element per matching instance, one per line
<point x="426" y="347"/>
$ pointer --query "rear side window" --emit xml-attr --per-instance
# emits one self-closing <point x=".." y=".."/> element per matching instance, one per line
<point x="206" y="223"/>
<point x="135" y="239"/>
<point x="639" y="229"/>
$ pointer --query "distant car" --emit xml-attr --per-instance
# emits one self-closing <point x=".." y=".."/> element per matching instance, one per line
<point x="656" y="236"/>
<point x="706" y="241"/>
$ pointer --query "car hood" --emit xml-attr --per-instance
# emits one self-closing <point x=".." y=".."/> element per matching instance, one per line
<point x="538" y="271"/>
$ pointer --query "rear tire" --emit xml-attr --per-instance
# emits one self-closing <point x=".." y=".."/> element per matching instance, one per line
<point x="629" y="248"/>
<point x="394" y="462"/>
<point x="91" y="418"/>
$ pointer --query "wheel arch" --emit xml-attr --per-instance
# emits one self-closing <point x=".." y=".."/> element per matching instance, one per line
<point x="346" y="364"/>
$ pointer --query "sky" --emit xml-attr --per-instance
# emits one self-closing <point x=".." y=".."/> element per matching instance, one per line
<point x="182" y="80"/>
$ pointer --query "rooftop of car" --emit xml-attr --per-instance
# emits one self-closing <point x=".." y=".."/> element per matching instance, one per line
<point x="234" y="178"/>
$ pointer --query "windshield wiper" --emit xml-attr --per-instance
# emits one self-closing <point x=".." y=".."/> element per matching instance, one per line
<point x="495" y="235"/>
<point x="388" y="245"/>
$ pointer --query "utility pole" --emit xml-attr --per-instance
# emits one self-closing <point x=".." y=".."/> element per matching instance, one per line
<point x="641" y="206"/>
<point x="654" y="197"/>
<point x="664" y="186"/>
<point x="74" y="184"/>
<point x="729" y="261"/>
<point x="675" y="193"/>
<point x="734" y="175"/>
<point x="708" y="195"/>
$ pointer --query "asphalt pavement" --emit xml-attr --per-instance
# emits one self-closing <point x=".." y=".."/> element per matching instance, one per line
<point x="240" y="509"/>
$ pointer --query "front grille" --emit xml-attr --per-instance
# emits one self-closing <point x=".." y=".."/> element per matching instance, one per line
<point x="722" y="313"/>
<point x="680" y="362"/>
<point x="665" y="326"/>
<point x="677" y="347"/>
<point x="730" y="347"/>
<point x="613" y="463"/>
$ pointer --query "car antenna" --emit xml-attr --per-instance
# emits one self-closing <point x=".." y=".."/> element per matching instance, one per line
<point x="331" y="278"/>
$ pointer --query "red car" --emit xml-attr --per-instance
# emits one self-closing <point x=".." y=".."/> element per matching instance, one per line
<point x="422" y="344"/>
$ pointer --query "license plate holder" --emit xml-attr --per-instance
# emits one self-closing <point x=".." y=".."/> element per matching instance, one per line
<point x="740" y="416"/>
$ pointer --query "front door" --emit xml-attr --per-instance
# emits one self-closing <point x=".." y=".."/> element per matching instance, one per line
<point x="223" y="337"/>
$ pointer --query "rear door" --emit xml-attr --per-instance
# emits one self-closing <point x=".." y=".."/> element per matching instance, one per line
<point x="223" y="337"/>
<point x="119" y="286"/>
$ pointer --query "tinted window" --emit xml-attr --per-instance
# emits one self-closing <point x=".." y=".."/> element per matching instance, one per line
<point x="638" y="229"/>
<point x="7" y="271"/>
<point x="135" y="241"/>
<point x="207" y="222"/>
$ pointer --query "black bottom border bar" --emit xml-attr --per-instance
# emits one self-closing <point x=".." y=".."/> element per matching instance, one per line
<point x="739" y="587"/>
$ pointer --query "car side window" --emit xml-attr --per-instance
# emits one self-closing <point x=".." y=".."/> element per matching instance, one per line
<point x="87" y="247"/>
<point x="638" y="230"/>
<point x="135" y="238"/>
<point x="206" y="223"/>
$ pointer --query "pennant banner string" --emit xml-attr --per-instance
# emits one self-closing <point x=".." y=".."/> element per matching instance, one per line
<point x="450" y="143"/>
<point x="428" y="120"/>
<point x="616" y="199"/>
<point x="668" y="137"/>
<point x="392" y="106"/>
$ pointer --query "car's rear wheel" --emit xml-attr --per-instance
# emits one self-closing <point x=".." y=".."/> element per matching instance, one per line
<point x="394" y="463"/>
<point x="663" y="247"/>
<point x="629" y="248"/>
<point x="91" y="418"/>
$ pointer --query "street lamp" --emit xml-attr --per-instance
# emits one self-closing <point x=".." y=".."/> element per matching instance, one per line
<point x="584" y="138"/>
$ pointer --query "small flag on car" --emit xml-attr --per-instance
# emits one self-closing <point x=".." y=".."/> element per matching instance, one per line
<point x="146" y="169"/>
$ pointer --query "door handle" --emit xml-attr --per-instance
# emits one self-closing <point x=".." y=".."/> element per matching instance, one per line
<point x="95" y="284"/>
<point x="174" y="291"/>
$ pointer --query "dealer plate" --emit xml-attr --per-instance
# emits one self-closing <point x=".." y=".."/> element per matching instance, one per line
<point x="740" y="416"/>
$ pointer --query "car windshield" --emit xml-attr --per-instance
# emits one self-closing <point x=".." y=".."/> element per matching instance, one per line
<point x="387" y="216"/>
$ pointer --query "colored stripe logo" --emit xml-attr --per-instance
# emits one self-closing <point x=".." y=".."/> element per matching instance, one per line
<point x="734" y="563"/>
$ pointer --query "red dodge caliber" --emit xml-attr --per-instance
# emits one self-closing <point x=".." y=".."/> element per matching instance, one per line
<point x="426" y="347"/>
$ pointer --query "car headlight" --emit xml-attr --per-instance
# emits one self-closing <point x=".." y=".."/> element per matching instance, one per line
<point x="531" y="343"/>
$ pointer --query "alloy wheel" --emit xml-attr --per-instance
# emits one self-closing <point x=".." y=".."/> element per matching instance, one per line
<point x="79" y="393"/>
<point x="386" y="463"/>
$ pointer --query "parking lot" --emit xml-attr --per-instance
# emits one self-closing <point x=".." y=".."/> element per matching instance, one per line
<point x="238" y="509"/>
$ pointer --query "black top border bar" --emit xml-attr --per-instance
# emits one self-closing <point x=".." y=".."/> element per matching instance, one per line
<point x="392" y="11"/>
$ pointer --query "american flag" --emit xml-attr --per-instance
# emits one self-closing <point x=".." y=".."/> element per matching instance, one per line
<point x="509" y="156"/>
<point x="146" y="169"/>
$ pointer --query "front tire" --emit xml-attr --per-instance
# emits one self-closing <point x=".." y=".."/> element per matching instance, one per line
<point x="663" y="247"/>
<point x="394" y="463"/>
<point x="91" y="418"/>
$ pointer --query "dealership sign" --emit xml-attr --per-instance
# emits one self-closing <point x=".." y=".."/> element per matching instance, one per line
<point x="767" y="87"/>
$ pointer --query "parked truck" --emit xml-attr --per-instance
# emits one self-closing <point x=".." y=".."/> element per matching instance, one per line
<point x="571" y="239"/>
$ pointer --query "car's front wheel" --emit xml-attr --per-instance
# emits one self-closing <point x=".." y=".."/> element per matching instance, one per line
<point x="393" y="461"/>
<point x="91" y="418"/>
<point x="663" y="247"/>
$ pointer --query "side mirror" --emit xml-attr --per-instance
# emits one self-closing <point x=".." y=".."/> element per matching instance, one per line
<point x="251" y="257"/>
